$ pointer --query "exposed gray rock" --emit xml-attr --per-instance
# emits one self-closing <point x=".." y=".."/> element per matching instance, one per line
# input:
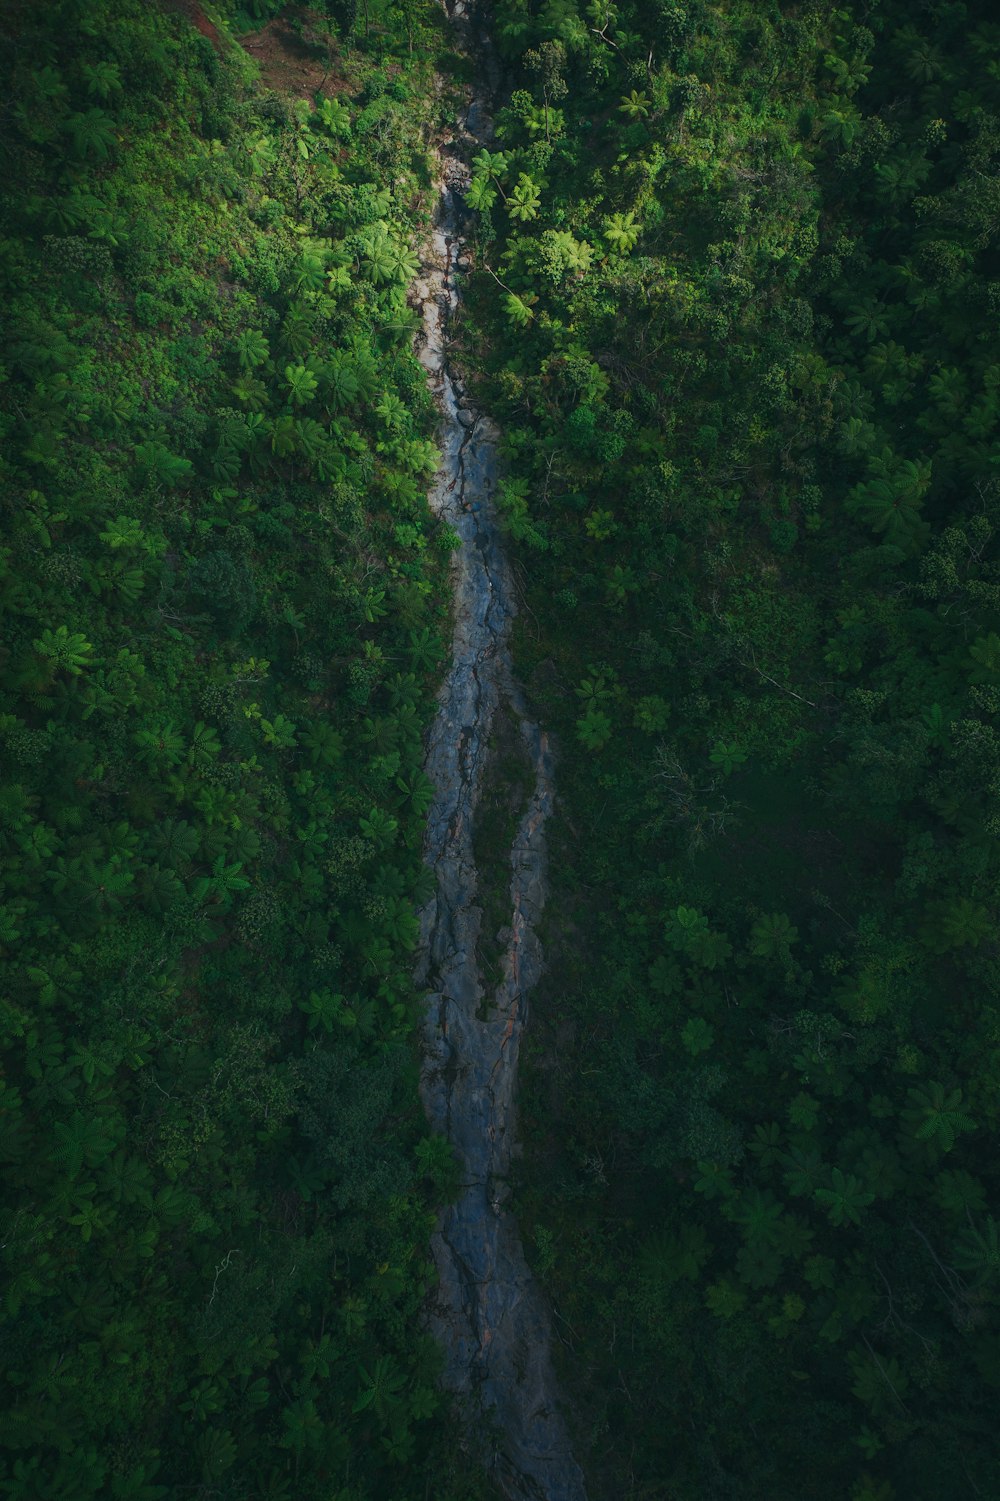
<point x="488" y="1313"/>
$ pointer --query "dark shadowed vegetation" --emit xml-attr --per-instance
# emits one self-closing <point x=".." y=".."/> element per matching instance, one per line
<point x="737" y="318"/>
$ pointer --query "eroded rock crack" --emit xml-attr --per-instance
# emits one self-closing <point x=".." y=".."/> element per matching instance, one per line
<point x="488" y="1313"/>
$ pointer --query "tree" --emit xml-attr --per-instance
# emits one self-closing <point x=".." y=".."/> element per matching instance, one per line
<point x="251" y="348"/>
<point x="978" y="1250"/>
<point x="304" y="1428"/>
<point x="489" y="168"/>
<point x="935" y="1115"/>
<point x="772" y="935"/>
<point x="759" y="1214"/>
<point x="697" y="1035"/>
<point x="279" y="732"/>
<point x="340" y="383"/>
<point x="302" y="384"/>
<point x="156" y="462"/>
<point x="380" y="827"/>
<point x="594" y="729"/>
<point x="727" y="756"/>
<point x="93" y="135"/>
<point x="480" y="195"/>
<point x="333" y="116"/>
<point x="845" y="1199"/>
<point x="622" y="232"/>
<point x="958" y="924"/>
<point x="890" y="501"/>
<point x="102" y="79"/>
<point x="635" y="105"/>
<point x="81" y="1141"/>
<point x="984" y="655"/>
<point x="524" y="200"/>
<point x="380" y="1387"/>
<point x="64" y="650"/>
<point x="518" y="309"/>
<point x="839" y="122"/>
<point x="324" y="1009"/>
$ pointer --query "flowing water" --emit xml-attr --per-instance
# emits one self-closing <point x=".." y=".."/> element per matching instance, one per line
<point x="488" y="1313"/>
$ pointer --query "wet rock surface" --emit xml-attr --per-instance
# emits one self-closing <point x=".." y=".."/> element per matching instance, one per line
<point x="488" y="1312"/>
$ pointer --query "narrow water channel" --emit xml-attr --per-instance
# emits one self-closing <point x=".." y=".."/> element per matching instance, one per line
<point x="488" y="1314"/>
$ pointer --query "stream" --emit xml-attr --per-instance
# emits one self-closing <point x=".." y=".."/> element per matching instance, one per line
<point x="487" y="1313"/>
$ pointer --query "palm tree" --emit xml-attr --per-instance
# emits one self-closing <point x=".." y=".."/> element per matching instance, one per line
<point x="324" y="744"/>
<point x="204" y="745"/>
<point x="160" y="889"/>
<point x="378" y="258"/>
<point x="102" y="79"/>
<point x="81" y="1141"/>
<point x="984" y="654"/>
<point x="323" y="1009"/>
<point x="844" y="1199"/>
<point x="334" y="117"/>
<point x="491" y="163"/>
<point x="518" y="309"/>
<point x="772" y="935"/>
<point x="935" y="1115"/>
<point x="958" y="924"/>
<point x="405" y="263"/>
<point x="890" y="501"/>
<point x="381" y="1386"/>
<point x="849" y="73"/>
<point x="868" y="318"/>
<point x="621" y="232"/>
<point x="525" y="199"/>
<point x="921" y="59"/>
<point x="279" y="732"/>
<point x="302" y="384"/>
<point x="978" y="1251"/>
<point x="594" y="729"/>
<point x="175" y="840"/>
<point x="297" y="329"/>
<point x="340" y="383"/>
<point x="158" y="463"/>
<point x="839" y="123"/>
<point x="284" y="436"/>
<point x="727" y="756"/>
<point x="251" y="348"/>
<point x="804" y="1171"/>
<point x="93" y="135"/>
<point x="314" y="446"/>
<point x="948" y="390"/>
<point x="64" y="650"/>
<point x="425" y="648"/>
<point x="480" y="195"/>
<point x="161" y="745"/>
<point x="249" y="392"/>
<point x="380" y="827"/>
<point x="635" y="105"/>
<point x="759" y="1213"/>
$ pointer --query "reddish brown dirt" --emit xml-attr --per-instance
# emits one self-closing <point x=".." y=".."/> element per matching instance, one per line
<point x="289" y="64"/>
<point x="198" y="18"/>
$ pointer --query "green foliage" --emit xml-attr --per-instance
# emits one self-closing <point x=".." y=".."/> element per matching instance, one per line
<point x="740" y="351"/>
<point x="218" y="1188"/>
<point x="524" y="200"/>
<point x="734" y="318"/>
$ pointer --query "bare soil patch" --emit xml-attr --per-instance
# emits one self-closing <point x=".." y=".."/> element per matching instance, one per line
<point x="198" y="19"/>
<point x="295" y="58"/>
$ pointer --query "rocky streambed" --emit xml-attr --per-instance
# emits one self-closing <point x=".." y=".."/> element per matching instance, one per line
<point x="488" y="1312"/>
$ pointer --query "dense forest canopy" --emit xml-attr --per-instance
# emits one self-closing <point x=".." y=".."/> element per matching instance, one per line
<point x="734" y="306"/>
<point x="221" y="632"/>
<point x="745" y="364"/>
